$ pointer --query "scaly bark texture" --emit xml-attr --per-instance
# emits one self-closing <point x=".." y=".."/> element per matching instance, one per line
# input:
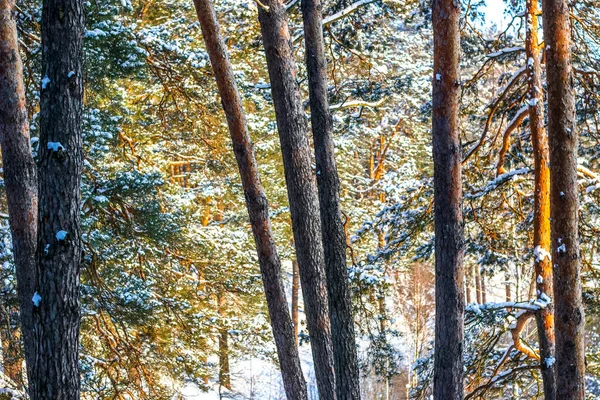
<point x="256" y="202"/>
<point x="569" y="314"/>
<point x="449" y="241"/>
<point x="301" y="188"/>
<point x="19" y="170"/>
<point x="334" y="238"/>
<point x="541" y="196"/>
<point x="55" y="369"/>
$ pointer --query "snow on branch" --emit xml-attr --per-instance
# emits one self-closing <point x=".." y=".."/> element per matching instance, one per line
<point x="504" y="51"/>
<point x="498" y="181"/>
<point x="338" y="15"/>
<point x="533" y="305"/>
<point x="356" y="103"/>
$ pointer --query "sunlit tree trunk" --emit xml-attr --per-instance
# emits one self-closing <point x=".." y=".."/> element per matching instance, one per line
<point x="569" y="314"/>
<point x="55" y="370"/>
<point x="301" y="188"/>
<point x="19" y="170"/>
<point x="449" y="242"/>
<point x="541" y="213"/>
<point x="334" y="238"/>
<point x="256" y="203"/>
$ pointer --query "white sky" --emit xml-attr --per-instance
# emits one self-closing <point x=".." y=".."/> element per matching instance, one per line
<point x="494" y="12"/>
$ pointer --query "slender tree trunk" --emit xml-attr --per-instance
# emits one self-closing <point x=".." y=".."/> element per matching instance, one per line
<point x="55" y="370"/>
<point x="12" y="357"/>
<point x="334" y="238"/>
<point x="478" y="284"/>
<point x="570" y="320"/>
<point x="468" y="280"/>
<point x="19" y="171"/>
<point x="224" y="370"/>
<point x="449" y="242"/>
<point x="256" y="202"/>
<point x="541" y="213"/>
<point x="295" y="299"/>
<point x="301" y="187"/>
<point x="483" y="289"/>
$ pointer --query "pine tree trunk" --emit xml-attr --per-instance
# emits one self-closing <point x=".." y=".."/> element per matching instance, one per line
<point x="334" y="238"/>
<point x="301" y="188"/>
<point x="55" y="370"/>
<point x="19" y="170"/>
<point x="541" y="213"/>
<point x="256" y="202"/>
<point x="295" y="299"/>
<point x="569" y="314"/>
<point x="449" y="242"/>
<point x="224" y="370"/>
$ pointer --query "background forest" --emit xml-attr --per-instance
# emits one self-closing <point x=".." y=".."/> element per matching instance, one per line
<point x="173" y="305"/>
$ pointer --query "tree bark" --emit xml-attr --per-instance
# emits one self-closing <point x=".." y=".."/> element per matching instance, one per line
<point x="541" y="212"/>
<point x="256" y="202"/>
<point x="224" y="370"/>
<point x="569" y="313"/>
<point x="334" y="238"/>
<point x="19" y="170"/>
<point x="301" y="188"/>
<point x="449" y="241"/>
<point x="295" y="299"/>
<point x="55" y="369"/>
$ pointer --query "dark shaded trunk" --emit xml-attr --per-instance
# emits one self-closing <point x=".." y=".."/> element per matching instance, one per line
<point x="19" y="170"/>
<point x="449" y="242"/>
<point x="334" y="238"/>
<point x="256" y="202"/>
<point x="541" y="196"/>
<point x="295" y="299"/>
<point x="569" y="314"/>
<point x="301" y="188"/>
<point x="55" y="369"/>
<point x="224" y="369"/>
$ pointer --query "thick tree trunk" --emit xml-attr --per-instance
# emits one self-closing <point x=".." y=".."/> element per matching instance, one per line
<point x="19" y="170"/>
<point x="569" y="314"/>
<point x="295" y="299"/>
<point x="256" y="202"/>
<point x="334" y="238"/>
<point x="301" y="187"/>
<point x="449" y="242"/>
<point x="55" y="370"/>
<point x="541" y="212"/>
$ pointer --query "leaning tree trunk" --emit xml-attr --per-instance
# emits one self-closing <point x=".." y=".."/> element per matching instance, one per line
<point x="301" y="187"/>
<point x="55" y="370"/>
<point x="541" y="196"/>
<point x="569" y="314"/>
<point x="449" y="242"/>
<point x="256" y="202"/>
<point x="334" y="237"/>
<point x="19" y="171"/>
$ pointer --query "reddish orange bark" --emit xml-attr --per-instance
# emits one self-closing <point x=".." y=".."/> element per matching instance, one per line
<point x="541" y="214"/>
<point x="569" y="314"/>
